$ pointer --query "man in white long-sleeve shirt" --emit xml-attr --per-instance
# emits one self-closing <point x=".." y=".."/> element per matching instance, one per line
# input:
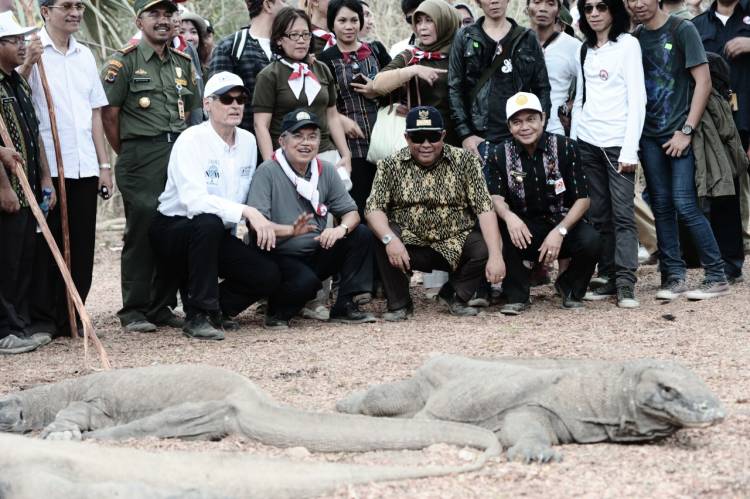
<point x="608" y="115"/>
<point x="193" y="233"/>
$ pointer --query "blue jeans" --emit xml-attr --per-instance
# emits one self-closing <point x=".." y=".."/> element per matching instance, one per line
<point x="671" y="187"/>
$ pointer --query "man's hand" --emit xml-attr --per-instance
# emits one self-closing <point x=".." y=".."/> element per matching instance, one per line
<point x="625" y="168"/>
<point x="105" y="179"/>
<point x="428" y="74"/>
<point x="737" y="46"/>
<point x="328" y="237"/>
<point x="520" y="235"/>
<point x="265" y="235"/>
<point x="9" y="157"/>
<point x="8" y="200"/>
<point x="550" y="248"/>
<point x="677" y="145"/>
<point x="47" y="183"/>
<point x="471" y="144"/>
<point x="397" y="255"/>
<point x="301" y="225"/>
<point x="33" y="55"/>
<point x="351" y="129"/>
<point x="494" y="271"/>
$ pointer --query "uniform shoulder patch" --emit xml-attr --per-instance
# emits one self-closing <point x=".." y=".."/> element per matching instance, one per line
<point x="128" y="48"/>
<point x="182" y="54"/>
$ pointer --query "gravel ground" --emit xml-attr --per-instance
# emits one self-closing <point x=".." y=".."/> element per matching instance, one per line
<point x="316" y="364"/>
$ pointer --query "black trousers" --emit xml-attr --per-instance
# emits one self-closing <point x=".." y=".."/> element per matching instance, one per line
<point x="464" y="280"/>
<point x="363" y="174"/>
<point x="49" y="305"/>
<point x="17" y="247"/>
<point x="196" y="252"/>
<point x="581" y="245"/>
<point x="351" y="258"/>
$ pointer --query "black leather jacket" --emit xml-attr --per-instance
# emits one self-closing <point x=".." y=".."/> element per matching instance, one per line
<point x="469" y="52"/>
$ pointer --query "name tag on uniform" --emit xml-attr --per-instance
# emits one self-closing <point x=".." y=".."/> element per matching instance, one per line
<point x="245" y="171"/>
<point x="559" y="186"/>
<point x="212" y="175"/>
<point x="142" y="79"/>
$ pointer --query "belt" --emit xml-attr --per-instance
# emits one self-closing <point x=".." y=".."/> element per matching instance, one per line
<point x="162" y="137"/>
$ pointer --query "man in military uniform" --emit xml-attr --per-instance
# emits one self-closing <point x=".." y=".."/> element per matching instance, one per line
<point x="151" y="91"/>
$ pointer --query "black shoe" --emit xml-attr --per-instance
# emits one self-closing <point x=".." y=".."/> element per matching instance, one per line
<point x="139" y="326"/>
<point x="567" y="299"/>
<point x="168" y="319"/>
<point x="400" y="314"/>
<point x="13" y="344"/>
<point x="603" y="292"/>
<point x="458" y="307"/>
<point x="220" y="320"/>
<point x="275" y="324"/>
<point x="514" y="308"/>
<point x="200" y="327"/>
<point x="349" y="313"/>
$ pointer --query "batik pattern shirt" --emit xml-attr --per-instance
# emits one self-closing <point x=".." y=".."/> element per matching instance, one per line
<point x="435" y="207"/>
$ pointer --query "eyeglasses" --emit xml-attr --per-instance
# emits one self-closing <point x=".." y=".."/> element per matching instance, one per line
<point x="68" y="6"/>
<point x="295" y="37"/>
<point x="600" y="7"/>
<point x="298" y="137"/>
<point x="13" y="40"/>
<point x="155" y="15"/>
<point x="431" y="136"/>
<point x="227" y="99"/>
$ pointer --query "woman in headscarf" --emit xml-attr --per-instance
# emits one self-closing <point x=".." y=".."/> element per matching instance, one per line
<point x="425" y="66"/>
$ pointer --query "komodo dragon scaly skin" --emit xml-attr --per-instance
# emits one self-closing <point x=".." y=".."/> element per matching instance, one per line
<point x="37" y="469"/>
<point x="203" y="402"/>
<point x="534" y="404"/>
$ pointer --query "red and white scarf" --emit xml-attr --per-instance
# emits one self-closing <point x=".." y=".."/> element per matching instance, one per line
<point x="302" y="77"/>
<point x="418" y="55"/>
<point x="329" y="37"/>
<point x="308" y="189"/>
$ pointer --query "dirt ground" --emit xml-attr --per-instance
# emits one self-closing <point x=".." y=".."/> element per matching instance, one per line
<point x="315" y="364"/>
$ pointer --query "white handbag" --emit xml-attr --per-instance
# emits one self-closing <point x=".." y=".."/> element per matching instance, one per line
<point x="387" y="135"/>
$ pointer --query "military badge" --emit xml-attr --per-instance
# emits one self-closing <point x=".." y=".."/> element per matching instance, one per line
<point x="144" y="102"/>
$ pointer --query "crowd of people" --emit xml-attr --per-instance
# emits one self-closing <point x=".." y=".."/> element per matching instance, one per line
<point x="509" y="151"/>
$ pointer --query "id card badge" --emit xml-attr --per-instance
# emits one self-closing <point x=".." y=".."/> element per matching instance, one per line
<point x="559" y="186"/>
<point x="181" y="108"/>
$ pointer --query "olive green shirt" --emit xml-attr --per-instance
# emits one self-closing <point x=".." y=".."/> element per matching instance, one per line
<point x="145" y="88"/>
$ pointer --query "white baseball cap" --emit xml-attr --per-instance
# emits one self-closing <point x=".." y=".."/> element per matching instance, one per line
<point x="522" y="101"/>
<point x="223" y="82"/>
<point x="9" y="26"/>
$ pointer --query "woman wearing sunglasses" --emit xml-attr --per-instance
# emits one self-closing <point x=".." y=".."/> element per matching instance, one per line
<point x="608" y="116"/>
<point x="354" y="64"/>
<point x="424" y="68"/>
<point x="289" y="83"/>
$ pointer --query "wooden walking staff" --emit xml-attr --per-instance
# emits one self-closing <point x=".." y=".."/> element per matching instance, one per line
<point x="62" y="196"/>
<point x="88" y="327"/>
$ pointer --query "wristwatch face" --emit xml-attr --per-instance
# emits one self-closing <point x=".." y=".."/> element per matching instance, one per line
<point x="687" y="130"/>
<point x="387" y="238"/>
<point x="563" y="231"/>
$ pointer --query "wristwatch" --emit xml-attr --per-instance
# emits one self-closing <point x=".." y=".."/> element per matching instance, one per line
<point x="562" y="230"/>
<point x="387" y="239"/>
<point x="105" y="166"/>
<point x="687" y="129"/>
<point x="346" y="229"/>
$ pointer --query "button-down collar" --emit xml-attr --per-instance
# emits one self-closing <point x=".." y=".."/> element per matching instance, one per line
<point x="46" y="40"/>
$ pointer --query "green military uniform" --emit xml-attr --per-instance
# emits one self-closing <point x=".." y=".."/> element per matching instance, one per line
<point x="154" y="95"/>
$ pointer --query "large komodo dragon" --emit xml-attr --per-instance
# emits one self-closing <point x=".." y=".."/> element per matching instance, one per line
<point x="536" y="403"/>
<point x="37" y="469"/>
<point x="203" y="402"/>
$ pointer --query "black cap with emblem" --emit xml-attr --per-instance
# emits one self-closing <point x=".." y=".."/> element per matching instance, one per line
<point x="424" y="118"/>
<point x="299" y="118"/>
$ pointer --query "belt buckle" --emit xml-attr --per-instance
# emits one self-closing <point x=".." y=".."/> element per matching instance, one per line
<point x="170" y="138"/>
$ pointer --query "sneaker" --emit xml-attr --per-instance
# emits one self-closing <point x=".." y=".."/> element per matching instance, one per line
<point x="672" y="289"/>
<point x="626" y="298"/>
<point x="12" y="344"/>
<point x="603" y="292"/>
<point x="220" y="320"/>
<point x="400" y="314"/>
<point x="738" y="279"/>
<point x="709" y="289"/>
<point x="597" y="282"/>
<point x="200" y="327"/>
<point x="349" y="313"/>
<point x="514" y="308"/>
<point x="362" y="299"/>
<point x="458" y="307"/>
<point x="140" y="326"/>
<point x="42" y="338"/>
<point x="168" y="319"/>
<point x="568" y="301"/>
<point x="317" y="312"/>
<point x="480" y="299"/>
<point x="275" y="324"/>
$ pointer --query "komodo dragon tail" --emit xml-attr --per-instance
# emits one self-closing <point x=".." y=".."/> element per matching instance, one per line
<point x="321" y="432"/>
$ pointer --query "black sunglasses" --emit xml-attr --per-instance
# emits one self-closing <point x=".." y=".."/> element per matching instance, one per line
<point x="431" y="136"/>
<point x="600" y="7"/>
<point x="227" y="99"/>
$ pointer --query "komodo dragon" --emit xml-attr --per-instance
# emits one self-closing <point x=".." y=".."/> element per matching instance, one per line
<point x="37" y="469"/>
<point x="203" y="402"/>
<point x="536" y="403"/>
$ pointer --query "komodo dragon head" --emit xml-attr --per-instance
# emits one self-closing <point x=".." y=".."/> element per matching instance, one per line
<point x="11" y="415"/>
<point x="674" y="395"/>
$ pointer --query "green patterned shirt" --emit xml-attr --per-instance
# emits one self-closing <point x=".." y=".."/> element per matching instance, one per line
<point x="436" y="207"/>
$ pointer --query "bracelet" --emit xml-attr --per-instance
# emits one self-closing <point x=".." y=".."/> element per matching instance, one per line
<point x="105" y="166"/>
